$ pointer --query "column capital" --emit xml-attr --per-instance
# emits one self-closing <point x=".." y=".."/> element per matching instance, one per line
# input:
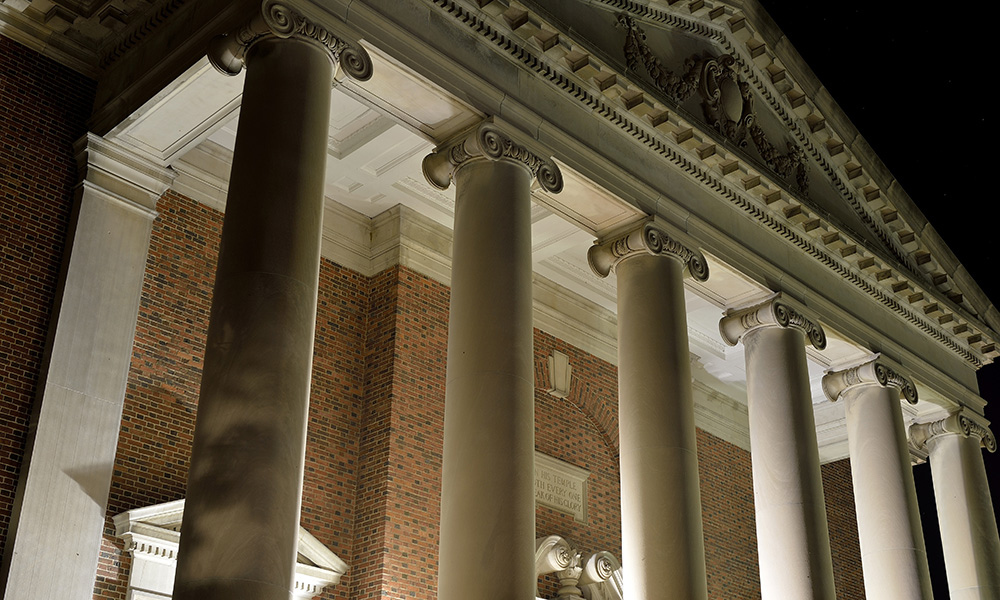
<point x="872" y="372"/>
<point x="959" y="423"/>
<point x="773" y="312"/>
<point x="488" y="141"/>
<point x="645" y="239"/>
<point x="278" y="19"/>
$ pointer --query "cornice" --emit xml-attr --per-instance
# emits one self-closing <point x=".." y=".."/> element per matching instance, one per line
<point x="960" y="423"/>
<point x="771" y="313"/>
<point x="647" y="239"/>
<point x="489" y="141"/>
<point x="694" y="153"/>
<point x="280" y="19"/>
<point x="871" y="373"/>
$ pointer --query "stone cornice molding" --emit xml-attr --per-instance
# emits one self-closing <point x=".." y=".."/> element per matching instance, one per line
<point x="871" y="373"/>
<point x="771" y="313"/>
<point x="890" y="282"/>
<point x="228" y="53"/>
<point x="489" y="141"/>
<point x="605" y="256"/>
<point x="959" y="423"/>
<point x="121" y="174"/>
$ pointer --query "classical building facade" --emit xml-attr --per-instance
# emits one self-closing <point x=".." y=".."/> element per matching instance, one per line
<point x="467" y="299"/>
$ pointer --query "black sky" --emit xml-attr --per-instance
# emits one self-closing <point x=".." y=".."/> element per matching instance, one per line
<point x="914" y="81"/>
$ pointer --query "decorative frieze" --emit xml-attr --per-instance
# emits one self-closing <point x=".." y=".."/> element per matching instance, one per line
<point x="646" y="239"/>
<point x="770" y="313"/>
<point x="873" y="372"/>
<point x="488" y="141"/>
<point x="227" y="53"/>
<point x="956" y="424"/>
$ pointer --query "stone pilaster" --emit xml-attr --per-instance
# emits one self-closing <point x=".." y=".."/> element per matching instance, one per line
<point x="487" y="497"/>
<point x="55" y="533"/>
<point x="892" y="543"/>
<point x="965" y="508"/>
<point x="663" y="547"/>
<point x="792" y="534"/>
<point x="241" y="520"/>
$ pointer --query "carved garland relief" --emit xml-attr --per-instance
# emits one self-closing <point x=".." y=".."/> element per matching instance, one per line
<point x="725" y="100"/>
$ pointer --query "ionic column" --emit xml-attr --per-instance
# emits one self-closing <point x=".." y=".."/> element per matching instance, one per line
<point x="54" y="538"/>
<point x="964" y="507"/>
<point x="241" y="517"/>
<point x="892" y="541"/>
<point x="792" y="537"/>
<point x="663" y="547"/>
<point x="487" y="544"/>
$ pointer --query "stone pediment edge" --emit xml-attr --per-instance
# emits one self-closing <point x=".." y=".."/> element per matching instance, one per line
<point x="153" y="531"/>
<point x="820" y="126"/>
<point x="679" y="143"/>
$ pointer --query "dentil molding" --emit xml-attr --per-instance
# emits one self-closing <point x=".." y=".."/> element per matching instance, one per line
<point x="770" y="313"/>
<point x="873" y="372"/>
<point x="490" y="142"/>
<point x="228" y="53"/>
<point x="646" y="239"/>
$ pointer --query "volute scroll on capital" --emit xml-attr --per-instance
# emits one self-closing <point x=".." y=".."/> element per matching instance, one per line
<point x="488" y="141"/>
<point x="770" y="313"/>
<point x="872" y="372"/>
<point x="604" y="257"/>
<point x="228" y="52"/>
<point x="954" y="424"/>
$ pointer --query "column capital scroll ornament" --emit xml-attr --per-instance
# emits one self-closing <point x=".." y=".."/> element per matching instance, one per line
<point x="773" y="312"/>
<point x="958" y="423"/>
<point x="605" y="256"/>
<point x="276" y="19"/>
<point x="488" y="141"/>
<point x="872" y="372"/>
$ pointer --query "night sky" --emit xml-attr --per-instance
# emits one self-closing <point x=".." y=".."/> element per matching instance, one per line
<point x="912" y="81"/>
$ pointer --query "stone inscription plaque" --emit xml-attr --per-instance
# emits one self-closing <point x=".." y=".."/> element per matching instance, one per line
<point x="561" y="486"/>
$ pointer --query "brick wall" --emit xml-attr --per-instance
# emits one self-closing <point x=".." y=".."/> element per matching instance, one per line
<point x="43" y="111"/>
<point x="843" y="521"/>
<point x="375" y="429"/>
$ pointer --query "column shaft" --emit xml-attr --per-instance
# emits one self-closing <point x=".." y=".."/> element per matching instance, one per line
<point x="892" y="541"/>
<point x="241" y="517"/>
<point x="965" y="515"/>
<point x="792" y="536"/>
<point x="662" y="540"/>
<point x="487" y="501"/>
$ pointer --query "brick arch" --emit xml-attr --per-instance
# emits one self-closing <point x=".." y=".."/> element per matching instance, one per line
<point x="593" y="388"/>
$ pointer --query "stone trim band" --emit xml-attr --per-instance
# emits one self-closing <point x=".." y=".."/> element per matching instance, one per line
<point x="227" y="53"/>
<point x="770" y="313"/>
<point x="647" y="239"/>
<point x="488" y="141"/>
<point x="873" y="372"/>
<point x="955" y="424"/>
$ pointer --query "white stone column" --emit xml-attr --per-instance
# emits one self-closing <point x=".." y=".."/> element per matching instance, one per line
<point x="241" y="516"/>
<point x="793" y="540"/>
<point x="663" y="546"/>
<point x="964" y="506"/>
<point x="892" y="541"/>
<point x="487" y="546"/>
<point x="54" y="537"/>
